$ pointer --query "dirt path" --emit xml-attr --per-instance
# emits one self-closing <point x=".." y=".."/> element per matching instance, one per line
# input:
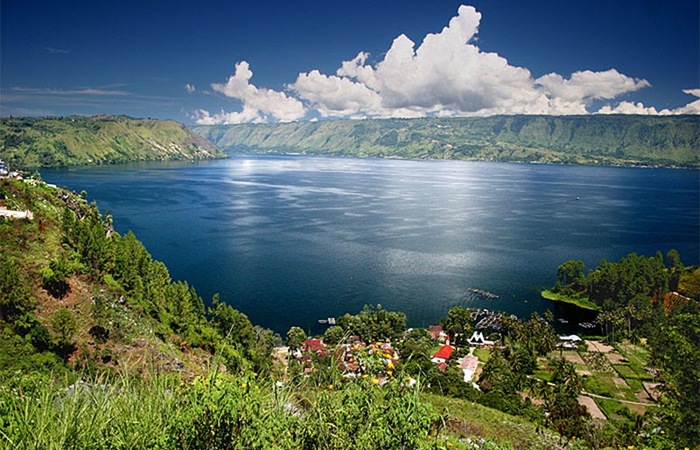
<point x="618" y="400"/>
<point x="592" y="407"/>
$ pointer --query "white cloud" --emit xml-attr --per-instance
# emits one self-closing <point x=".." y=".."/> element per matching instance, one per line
<point x="446" y="75"/>
<point x="639" y="108"/>
<point x="82" y="91"/>
<point x="692" y="107"/>
<point x="190" y="88"/>
<point x="586" y="85"/>
<point x="259" y="104"/>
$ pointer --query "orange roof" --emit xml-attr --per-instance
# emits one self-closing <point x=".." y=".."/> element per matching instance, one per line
<point x="445" y="352"/>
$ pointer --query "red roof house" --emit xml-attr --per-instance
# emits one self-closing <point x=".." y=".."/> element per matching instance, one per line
<point x="443" y="354"/>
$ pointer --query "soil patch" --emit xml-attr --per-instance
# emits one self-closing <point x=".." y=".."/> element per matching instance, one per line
<point x="597" y="346"/>
<point x="592" y="407"/>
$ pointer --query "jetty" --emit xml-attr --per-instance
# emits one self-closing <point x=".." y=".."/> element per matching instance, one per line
<point x="485" y="319"/>
<point x="483" y="293"/>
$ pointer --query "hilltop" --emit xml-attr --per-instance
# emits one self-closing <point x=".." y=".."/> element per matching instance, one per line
<point x="77" y="140"/>
<point x="593" y="139"/>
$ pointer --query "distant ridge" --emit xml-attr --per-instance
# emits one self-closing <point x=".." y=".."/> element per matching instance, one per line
<point x="79" y="140"/>
<point x="667" y="141"/>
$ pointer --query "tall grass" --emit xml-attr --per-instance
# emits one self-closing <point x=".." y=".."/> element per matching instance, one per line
<point x="123" y="413"/>
<point x="218" y="411"/>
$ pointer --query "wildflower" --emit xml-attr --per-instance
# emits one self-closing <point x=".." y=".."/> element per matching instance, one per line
<point x="365" y="376"/>
<point x="330" y="387"/>
<point x="375" y="381"/>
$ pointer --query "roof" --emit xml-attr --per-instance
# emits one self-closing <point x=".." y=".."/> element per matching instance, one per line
<point x="313" y="345"/>
<point x="469" y="362"/>
<point x="572" y="337"/>
<point x="445" y="352"/>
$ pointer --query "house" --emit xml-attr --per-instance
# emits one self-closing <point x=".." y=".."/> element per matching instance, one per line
<point x="437" y="333"/>
<point x="468" y="364"/>
<point x="570" y="342"/>
<point x="479" y="339"/>
<point x="443" y="354"/>
<point x="313" y="345"/>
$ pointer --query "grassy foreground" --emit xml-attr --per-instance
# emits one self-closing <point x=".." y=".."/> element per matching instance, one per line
<point x="242" y="411"/>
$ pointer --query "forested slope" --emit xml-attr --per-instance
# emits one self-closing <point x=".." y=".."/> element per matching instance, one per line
<point x="77" y="140"/>
<point x="591" y="139"/>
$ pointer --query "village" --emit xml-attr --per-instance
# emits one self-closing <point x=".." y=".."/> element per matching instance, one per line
<point x="616" y="381"/>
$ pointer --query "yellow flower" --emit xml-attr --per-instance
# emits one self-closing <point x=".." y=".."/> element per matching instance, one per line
<point x="390" y="373"/>
<point x="390" y="365"/>
<point x="365" y="376"/>
<point x="375" y="381"/>
<point x="330" y="386"/>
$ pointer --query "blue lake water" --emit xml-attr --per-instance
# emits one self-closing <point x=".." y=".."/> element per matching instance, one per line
<point x="289" y="240"/>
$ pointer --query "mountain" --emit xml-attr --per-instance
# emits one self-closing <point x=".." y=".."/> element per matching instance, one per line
<point x="77" y="140"/>
<point x="591" y="139"/>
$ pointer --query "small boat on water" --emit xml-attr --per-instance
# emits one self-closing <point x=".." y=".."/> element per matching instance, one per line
<point x="483" y="293"/>
<point x="328" y="321"/>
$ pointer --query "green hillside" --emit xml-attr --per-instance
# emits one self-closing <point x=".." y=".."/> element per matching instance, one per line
<point x="592" y="139"/>
<point x="54" y="142"/>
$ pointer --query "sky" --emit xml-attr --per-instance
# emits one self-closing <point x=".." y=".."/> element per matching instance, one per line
<point x="211" y="62"/>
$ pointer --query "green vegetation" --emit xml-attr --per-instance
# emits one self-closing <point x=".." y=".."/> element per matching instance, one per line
<point x="52" y="142"/>
<point x="581" y="302"/>
<point x="593" y="139"/>
<point x="101" y="349"/>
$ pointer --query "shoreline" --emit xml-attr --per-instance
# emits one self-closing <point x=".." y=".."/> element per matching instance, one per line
<point x="582" y="303"/>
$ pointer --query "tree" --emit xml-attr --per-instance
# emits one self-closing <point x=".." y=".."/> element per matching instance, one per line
<point x="65" y="326"/>
<point x="334" y="335"/>
<point x="571" y="274"/>
<point x="15" y="298"/>
<point x="673" y="258"/>
<point x="458" y="324"/>
<point x="233" y="325"/>
<point x="676" y="351"/>
<point x="565" y="414"/>
<point x="295" y="337"/>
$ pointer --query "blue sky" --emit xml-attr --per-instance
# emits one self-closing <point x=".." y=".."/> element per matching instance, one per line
<point x="268" y="61"/>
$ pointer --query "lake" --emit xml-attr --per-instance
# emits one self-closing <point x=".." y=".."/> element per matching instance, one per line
<point x="291" y="239"/>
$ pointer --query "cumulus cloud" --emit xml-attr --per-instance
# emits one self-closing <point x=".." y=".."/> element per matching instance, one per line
<point x="447" y="74"/>
<point x="190" y="88"/>
<point x="259" y="104"/>
<point x="692" y="107"/>
<point x="639" y="108"/>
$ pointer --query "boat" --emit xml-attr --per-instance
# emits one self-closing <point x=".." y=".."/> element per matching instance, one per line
<point x="483" y="293"/>
<point x="328" y="321"/>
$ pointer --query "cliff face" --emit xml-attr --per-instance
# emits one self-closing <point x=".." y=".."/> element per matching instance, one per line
<point x="592" y="139"/>
<point x="53" y="142"/>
